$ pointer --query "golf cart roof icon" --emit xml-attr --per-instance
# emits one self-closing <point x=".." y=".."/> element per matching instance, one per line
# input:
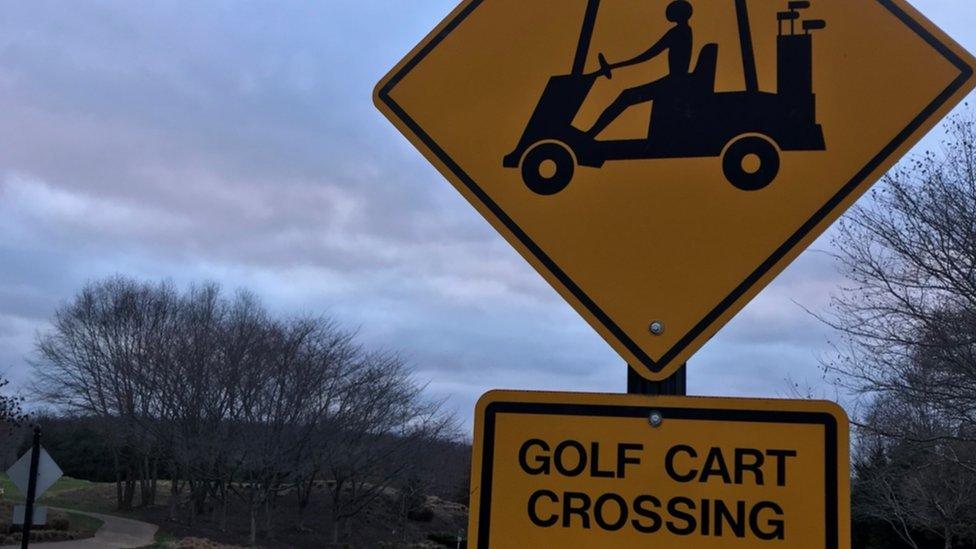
<point x="748" y="129"/>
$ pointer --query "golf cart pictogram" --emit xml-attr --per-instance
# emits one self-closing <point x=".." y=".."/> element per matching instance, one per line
<point x="748" y="129"/>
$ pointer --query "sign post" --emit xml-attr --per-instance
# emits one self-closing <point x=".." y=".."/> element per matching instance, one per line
<point x="676" y="385"/>
<point x="31" y="489"/>
<point x="33" y="474"/>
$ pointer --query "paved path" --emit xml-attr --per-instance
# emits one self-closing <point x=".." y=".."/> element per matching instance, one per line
<point x="116" y="533"/>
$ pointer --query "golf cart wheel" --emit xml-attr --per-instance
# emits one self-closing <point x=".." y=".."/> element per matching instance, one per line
<point x="548" y="168"/>
<point x="751" y="163"/>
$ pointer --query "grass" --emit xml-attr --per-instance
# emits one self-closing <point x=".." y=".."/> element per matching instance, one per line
<point x="67" y="493"/>
<point x="64" y="484"/>
<point x="70" y="493"/>
<point x="79" y="523"/>
<point x="83" y="523"/>
<point x="83" y="495"/>
<point x="164" y="540"/>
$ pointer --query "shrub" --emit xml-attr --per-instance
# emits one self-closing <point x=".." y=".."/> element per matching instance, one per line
<point x="447" y="540"/>
<point x="424" y="514"/>
<point x="195" y="543"/>
<point x="38" y="536"/>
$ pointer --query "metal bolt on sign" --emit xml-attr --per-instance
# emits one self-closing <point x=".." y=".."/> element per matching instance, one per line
<point x="657" y="327"/>
<point x="656" y="418"/>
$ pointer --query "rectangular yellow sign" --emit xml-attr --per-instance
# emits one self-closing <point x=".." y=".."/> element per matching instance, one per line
<point x="590" y="470"/>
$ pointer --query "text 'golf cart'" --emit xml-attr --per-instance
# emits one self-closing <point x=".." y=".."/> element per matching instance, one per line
<point x="747" y="129"/>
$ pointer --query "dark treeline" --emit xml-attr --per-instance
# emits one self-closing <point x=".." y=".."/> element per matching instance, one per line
<point x="908" y="320"/>
<point x="225" y="402"/>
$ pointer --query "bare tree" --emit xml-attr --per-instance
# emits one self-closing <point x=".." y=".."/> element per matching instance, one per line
<point x="95" y="361"/>
<point x="282" y="405"/>
<point x="11" y="412"/>
<point x="231" y="402"/>
<point x="373" y="437"/>
<point x="907" y="320"/>
<point x="911" y="485"/>
<point x="11" y="417"/>
<point x="908" y="313"/>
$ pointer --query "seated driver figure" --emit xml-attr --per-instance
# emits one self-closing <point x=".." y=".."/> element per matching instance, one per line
<point x="678" y="43"/>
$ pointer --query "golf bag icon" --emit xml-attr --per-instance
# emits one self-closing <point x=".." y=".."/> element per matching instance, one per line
<point x="748" y="129"/>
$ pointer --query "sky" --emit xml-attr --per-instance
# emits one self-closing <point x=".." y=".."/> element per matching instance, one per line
<point x="237" y="141"/>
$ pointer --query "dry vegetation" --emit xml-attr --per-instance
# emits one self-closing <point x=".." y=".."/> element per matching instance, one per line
<point x="220" y="418"/>
<point x="61" y="526"/>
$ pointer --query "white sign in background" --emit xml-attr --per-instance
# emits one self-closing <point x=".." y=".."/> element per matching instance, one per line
<point x="48" y="473"/>
<point x="39" y="518"/>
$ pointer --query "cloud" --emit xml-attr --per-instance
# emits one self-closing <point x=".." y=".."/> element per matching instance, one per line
<point x="237" y="141"/>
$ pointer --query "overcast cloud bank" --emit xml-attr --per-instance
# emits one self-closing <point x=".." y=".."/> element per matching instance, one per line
<point x="237" y="141"/>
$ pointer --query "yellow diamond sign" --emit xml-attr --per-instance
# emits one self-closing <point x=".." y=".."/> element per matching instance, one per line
<point x="659" y="162"/>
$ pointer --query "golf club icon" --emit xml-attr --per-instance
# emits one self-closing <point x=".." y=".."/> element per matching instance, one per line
<point x="747" y="129"/>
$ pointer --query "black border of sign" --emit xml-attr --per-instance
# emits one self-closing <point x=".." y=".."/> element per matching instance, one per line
<point x="829" y="422"/>
<point x="966" y="72"/>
